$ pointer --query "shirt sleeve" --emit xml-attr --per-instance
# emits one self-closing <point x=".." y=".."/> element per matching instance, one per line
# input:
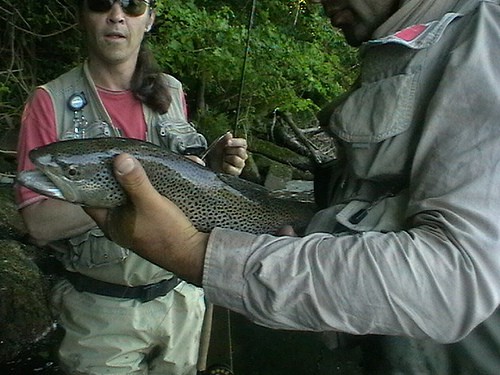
<point x="438" y="279"/>
<point x="37" y="128"/>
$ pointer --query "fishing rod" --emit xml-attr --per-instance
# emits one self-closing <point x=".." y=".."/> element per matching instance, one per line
<point x="243" y="68"/>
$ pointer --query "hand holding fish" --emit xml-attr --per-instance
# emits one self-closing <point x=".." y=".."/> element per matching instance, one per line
<point x="152" y="225"/>
<point x="228" y="155"/>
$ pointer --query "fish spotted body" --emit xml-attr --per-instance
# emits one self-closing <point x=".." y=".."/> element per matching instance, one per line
<point x="81" y="172"/>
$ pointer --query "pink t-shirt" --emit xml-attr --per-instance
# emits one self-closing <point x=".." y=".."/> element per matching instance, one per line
<point x="38" y="128"/>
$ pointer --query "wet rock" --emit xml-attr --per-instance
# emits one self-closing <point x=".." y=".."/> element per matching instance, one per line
<point x="280" y="154"/>
<point x="24" y="311"/>
<point x="251" y="171"/>
<point x="278" y="176"/>
<point x="24" y="286"/>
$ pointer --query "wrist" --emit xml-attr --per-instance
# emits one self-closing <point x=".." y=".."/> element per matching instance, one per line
<point x="189" y="257"/>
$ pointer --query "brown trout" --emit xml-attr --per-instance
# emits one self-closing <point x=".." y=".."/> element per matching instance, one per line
<point x="80" y="171"/>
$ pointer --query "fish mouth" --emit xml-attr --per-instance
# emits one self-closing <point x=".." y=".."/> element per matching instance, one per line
<point x="39" y="182"/>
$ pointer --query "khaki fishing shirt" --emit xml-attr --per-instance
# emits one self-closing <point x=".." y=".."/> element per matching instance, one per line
<point x="408" y="242"/>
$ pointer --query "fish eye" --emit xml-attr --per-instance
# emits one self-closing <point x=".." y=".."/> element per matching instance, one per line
<point x="72" y="171"/>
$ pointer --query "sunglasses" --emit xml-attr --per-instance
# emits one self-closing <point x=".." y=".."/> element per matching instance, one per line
<point x="132" y="8"/>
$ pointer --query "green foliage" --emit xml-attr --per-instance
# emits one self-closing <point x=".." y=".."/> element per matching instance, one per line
<point x="294" y="62"/>
<point x="39" y="41"/>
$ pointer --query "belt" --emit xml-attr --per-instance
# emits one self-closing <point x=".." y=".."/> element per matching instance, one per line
<point x="143" y="293"/>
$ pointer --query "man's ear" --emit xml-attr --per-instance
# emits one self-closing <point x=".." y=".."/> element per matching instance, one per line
<point x="151" y="20"/>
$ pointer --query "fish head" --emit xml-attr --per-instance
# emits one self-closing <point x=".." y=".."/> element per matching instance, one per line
<point x="69" y="171"/>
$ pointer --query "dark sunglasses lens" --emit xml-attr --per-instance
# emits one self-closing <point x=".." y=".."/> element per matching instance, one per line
<point x="99" y="5"/>
<point x="130" y="7"/>
<point x="134" y="7"/>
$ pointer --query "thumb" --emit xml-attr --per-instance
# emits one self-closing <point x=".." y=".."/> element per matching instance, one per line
<point x="223" y="140"/>
<point x="132" y="177"/>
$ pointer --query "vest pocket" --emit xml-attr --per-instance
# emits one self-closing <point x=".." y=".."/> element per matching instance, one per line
<point x="180" y="137"/>
<point x="93" y="249"/>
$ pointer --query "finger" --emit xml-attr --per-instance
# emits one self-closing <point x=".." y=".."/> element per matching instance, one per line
<point x="233" y="165"/>
<point x="223" y="142"/>
<point x="231" y="169"/>
<point x="97" y="214"/>
<point x="237" y="152"/>
<point x="237" y="142"/>
<point x="234" y="160"/>
<point x="287" y="230"/>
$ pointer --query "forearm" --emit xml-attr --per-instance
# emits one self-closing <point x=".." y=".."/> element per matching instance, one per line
<point x="51" y="220"/>
<point x="182" y="253"/>
<point x="412" y="284"/>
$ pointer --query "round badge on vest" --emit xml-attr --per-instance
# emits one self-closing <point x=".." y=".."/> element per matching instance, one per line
<point x="77" y="102"/>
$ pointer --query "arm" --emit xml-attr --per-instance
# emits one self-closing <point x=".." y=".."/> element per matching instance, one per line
<point x="439" y="278"/>
<point x="50" y="220"/>
<point x="46" y="219"/>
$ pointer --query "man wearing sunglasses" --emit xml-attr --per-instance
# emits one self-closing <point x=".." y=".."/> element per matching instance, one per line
<point x="407" y="241"/>
<point x="121" y="314"/>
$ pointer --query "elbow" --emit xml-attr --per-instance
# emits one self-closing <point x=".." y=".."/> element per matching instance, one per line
<point x="39" y="231"/>
<point x="38" y="236"/>
<point x="454" y="323"/>
<point x="447" y="337"/>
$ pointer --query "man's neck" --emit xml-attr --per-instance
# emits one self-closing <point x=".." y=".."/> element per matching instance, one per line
<point x="115" y="77"/>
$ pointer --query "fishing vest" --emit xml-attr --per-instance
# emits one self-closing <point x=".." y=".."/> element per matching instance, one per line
<point x="80" y="113"/>
<point x="169" y="130"/>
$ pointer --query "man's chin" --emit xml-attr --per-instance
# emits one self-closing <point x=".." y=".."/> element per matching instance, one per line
<point x="353" y="37"/>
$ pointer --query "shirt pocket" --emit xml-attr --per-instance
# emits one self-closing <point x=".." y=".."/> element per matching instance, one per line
<point x="374" y="125"/>
<point x="377" y="110"/>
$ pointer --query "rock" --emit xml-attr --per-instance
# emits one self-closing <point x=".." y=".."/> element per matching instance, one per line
<point x="11" y="223"/>
<point x="280" y="154"/>
<point x="251" y="171"/>
<point x="24" y="311"/>
<point x="24" y="285"/>
<point x="278" y="176"/>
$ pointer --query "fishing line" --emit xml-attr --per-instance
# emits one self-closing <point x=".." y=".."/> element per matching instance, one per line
<point x="243" y="68"/>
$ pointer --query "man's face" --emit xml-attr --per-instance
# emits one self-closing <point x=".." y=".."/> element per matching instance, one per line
<point x="358" y="19"/>
<point x="113" y="37"/>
